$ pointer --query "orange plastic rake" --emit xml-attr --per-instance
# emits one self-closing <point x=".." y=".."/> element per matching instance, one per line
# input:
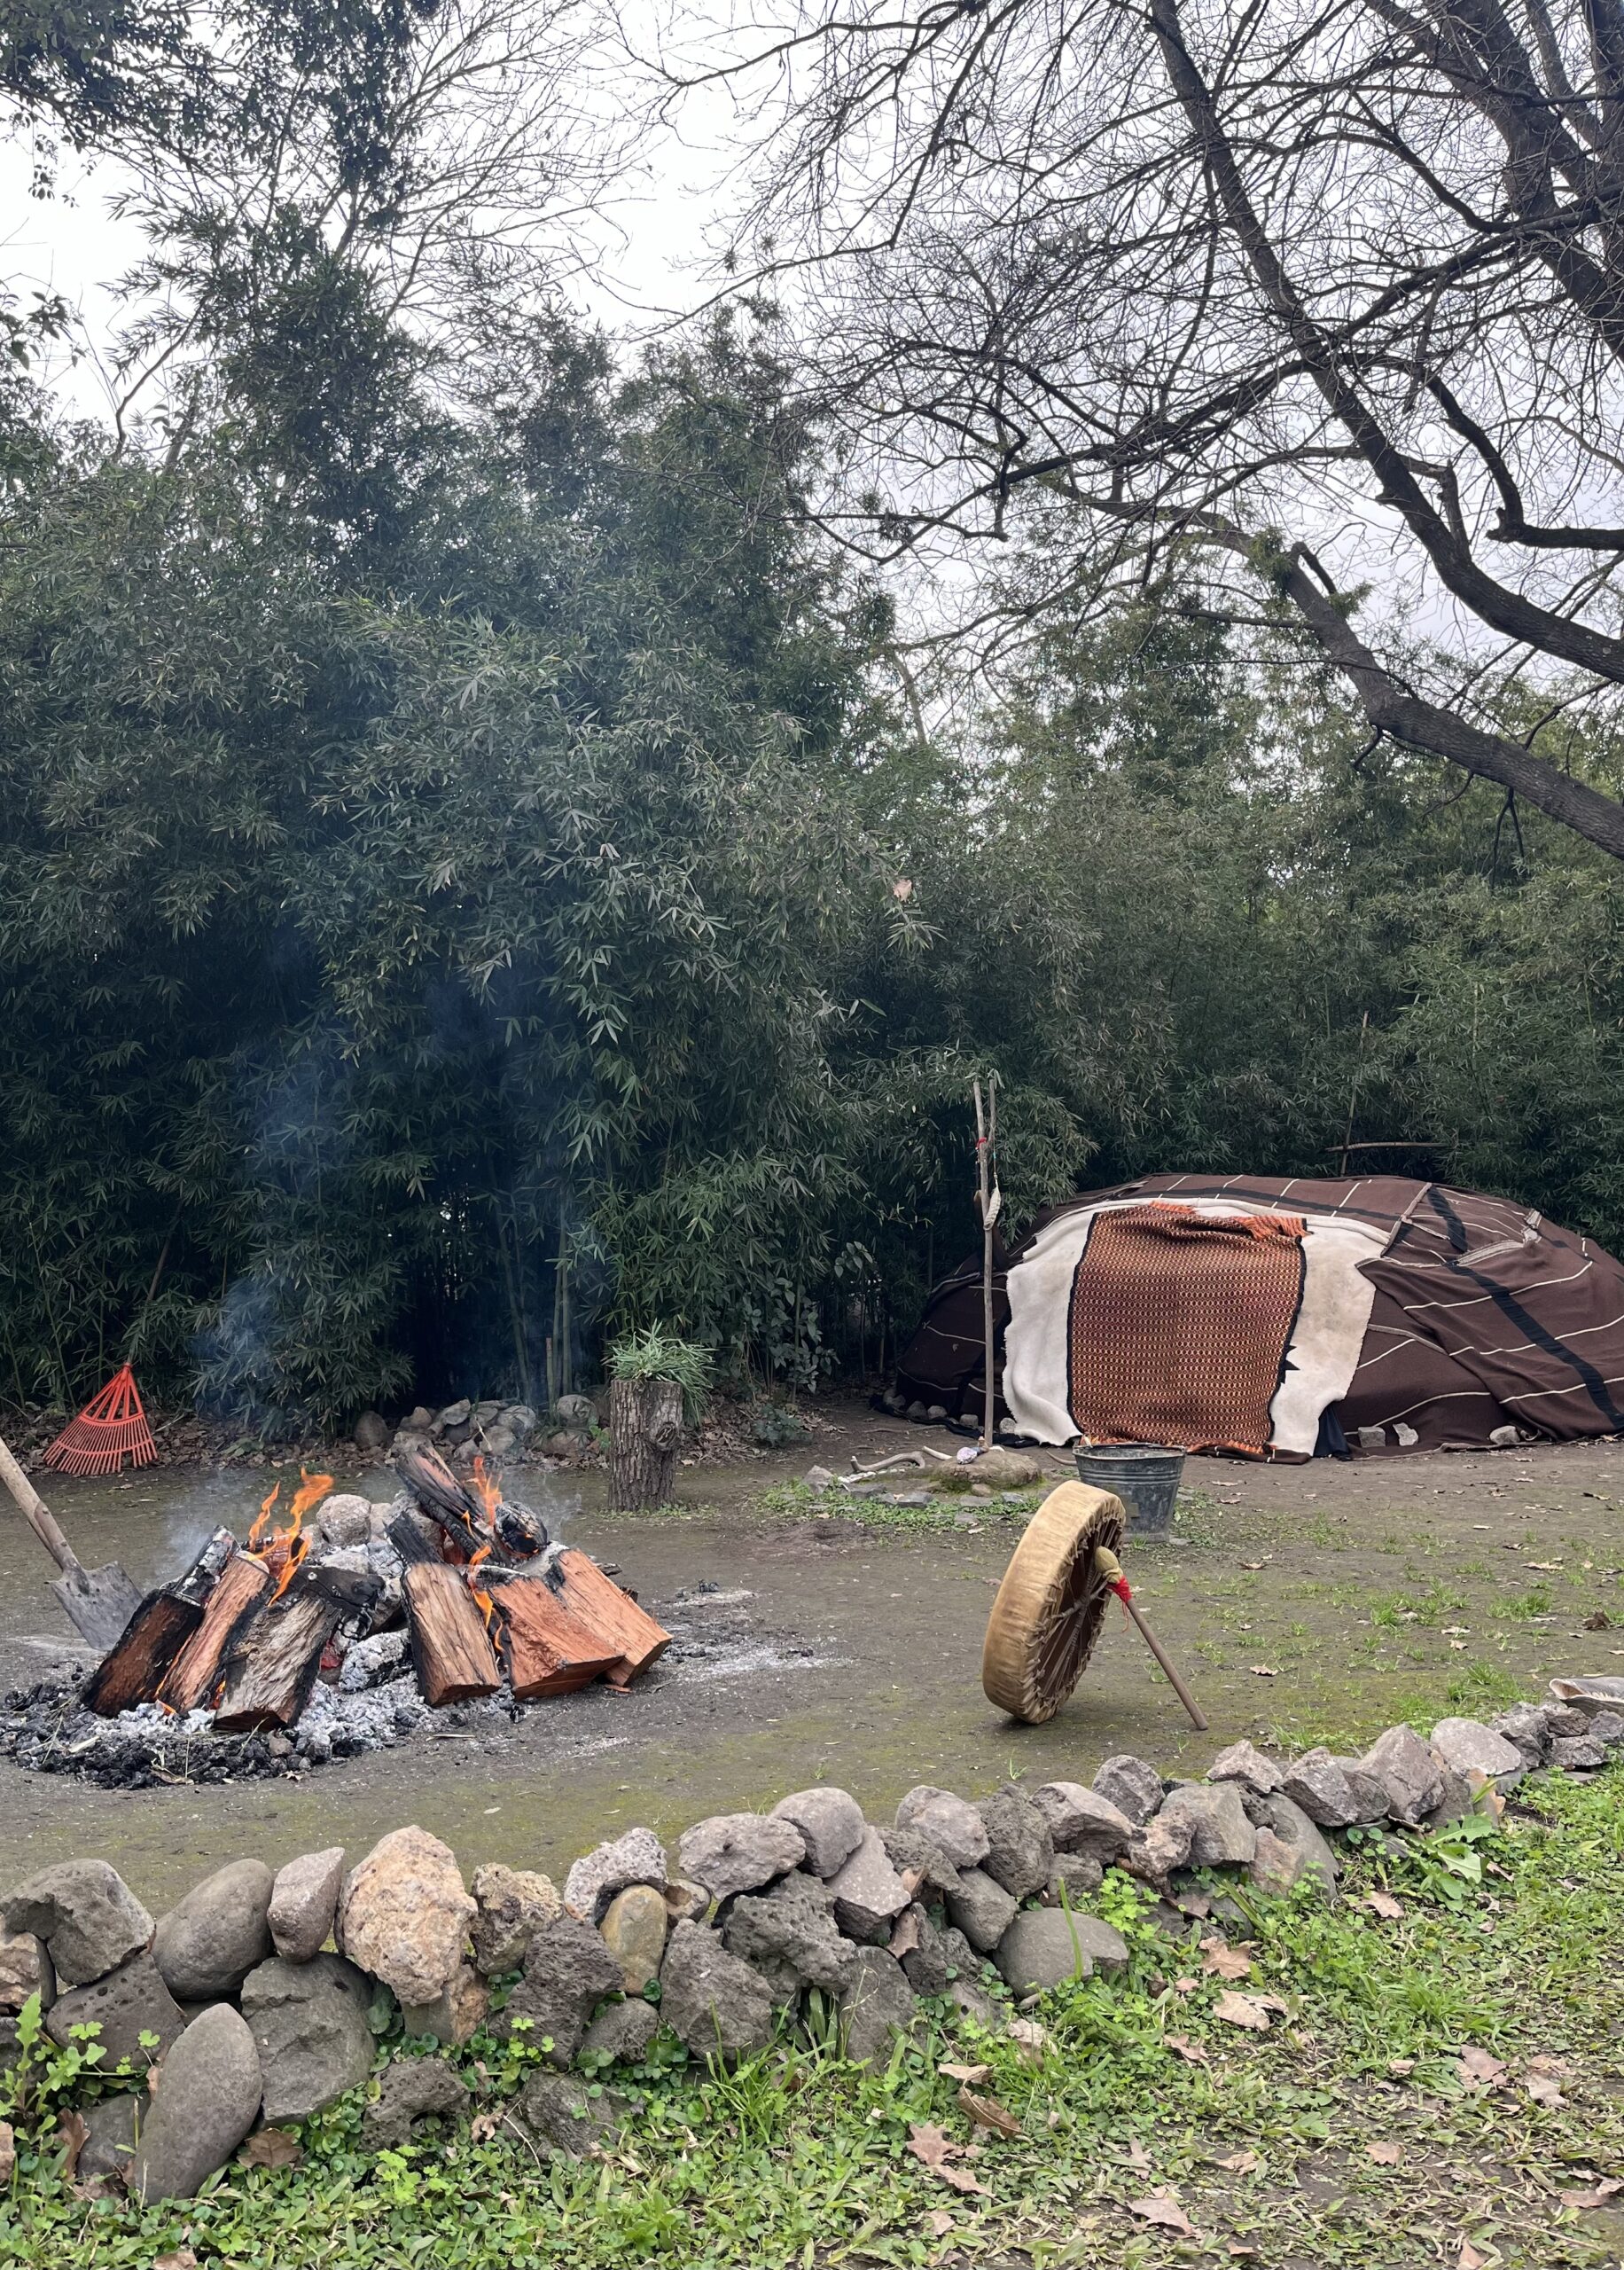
<point x="110" y="1428"/>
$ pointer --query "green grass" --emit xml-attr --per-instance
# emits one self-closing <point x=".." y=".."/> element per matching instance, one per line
<point x="793" y="1501"/>
<point x="1507" y="1944"/>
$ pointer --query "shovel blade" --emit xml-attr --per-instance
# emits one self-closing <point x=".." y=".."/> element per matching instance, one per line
<point x="99" y="1603"/>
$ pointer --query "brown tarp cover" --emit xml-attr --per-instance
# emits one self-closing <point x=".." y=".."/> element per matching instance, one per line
<point x="1486" y="1315"/>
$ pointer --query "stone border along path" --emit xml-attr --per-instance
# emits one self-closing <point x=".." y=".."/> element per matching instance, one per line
<point x="257" y="2022"/>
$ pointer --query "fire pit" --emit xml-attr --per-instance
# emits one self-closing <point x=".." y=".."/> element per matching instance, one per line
<point x="342" y="1627"/>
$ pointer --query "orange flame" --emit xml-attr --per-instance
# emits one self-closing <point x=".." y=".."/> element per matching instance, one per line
<point x="486" y="1605"/>
<point x="256" y="1534"/>
<point x="488" y="1490"/>
<point x="284" y="1550"/>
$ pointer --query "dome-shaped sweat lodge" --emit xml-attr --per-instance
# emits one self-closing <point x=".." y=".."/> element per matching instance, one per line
<point x="1277" y="1317"/>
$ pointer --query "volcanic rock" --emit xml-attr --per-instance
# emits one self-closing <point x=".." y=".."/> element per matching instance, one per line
<point x="878" y="2007"/>
<point x="1132" y="1785"/>
<point x="1406" y="1768"/>
<point x="623" y="2031"/>
<point x="1577" y="1753"/>
<point x="207" y="1945"/>
<point x="1289" y="1848"/>
<point x="208" y="2101"/>
<point x="403" y="1915"/>
<point x="790" y="1936"/>
<point x="1317" y="1784"/>
<point x="1526" y="1726"/>
<point x="25" y="1969"/>
<point x="713" y="2002"/>
<point x="1081" y="1820"/>
<point x="1076" y="1875"/>
<point x="85" y="1912"/>
<point x="1242" y="1762"/>
<point x="346" y="1518"/>
<point x="308" y="2021"/>
<point x="1470" y="1747"/>
<point x="940" y="1957"/>
<point x="1369" y="1794"/>
<point x="920" y="1861"/>
<point x="110" y="2139"/>
<point x="636" y="1858"/>
<point x="1045" y="1947"/>
<point x="304" y="1900"/>
<point x="456" y="2013"/>
<point x="1221" y="1834"/>
<point x="739" y="1851"/>
<point x="1165" y="1844"/>
<point x="634" y="1932"/>
<point x="569" y="2114"/>
<point x="1020" y="1851"/>
<point x="869" y="1893"/>
<point x="373" y="1432"/>
<point x="950" y="1823"/>
<point x="830" y="1820"/>
<point x="568" y="1970"/>
<point x="126" y="2003"/>
<point x="411" y="2089"/>
<point x="981" y="1909"/>
<point x="511" y="1904"/>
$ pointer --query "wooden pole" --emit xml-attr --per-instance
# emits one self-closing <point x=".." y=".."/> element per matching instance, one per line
<point x="1111" y="1569"/>
<point x="988" y="1197"/>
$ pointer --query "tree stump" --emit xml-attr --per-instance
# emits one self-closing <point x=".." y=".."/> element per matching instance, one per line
<point x="645" y="1426"/>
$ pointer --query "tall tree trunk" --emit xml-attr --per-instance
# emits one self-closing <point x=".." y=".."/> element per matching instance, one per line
<point x="645" y="1426"/>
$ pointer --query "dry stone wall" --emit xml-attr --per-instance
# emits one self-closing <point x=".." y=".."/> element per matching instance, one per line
<point x="259" y="1997"/>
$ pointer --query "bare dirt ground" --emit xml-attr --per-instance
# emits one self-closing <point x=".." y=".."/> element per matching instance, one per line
<point x="1310" y="1602"/>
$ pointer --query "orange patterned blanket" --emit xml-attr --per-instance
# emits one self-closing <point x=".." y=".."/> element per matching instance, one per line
<point x="1179" y="1325"/>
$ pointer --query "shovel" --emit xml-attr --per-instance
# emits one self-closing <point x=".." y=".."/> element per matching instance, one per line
<point x="100" y="1601"/>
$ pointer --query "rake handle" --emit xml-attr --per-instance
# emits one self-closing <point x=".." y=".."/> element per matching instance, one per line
<point x="38" y="1515"/>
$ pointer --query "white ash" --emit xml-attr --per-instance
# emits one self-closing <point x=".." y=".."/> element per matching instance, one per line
<point x="361" y="1667"/>
<point x="336" y="1725"/>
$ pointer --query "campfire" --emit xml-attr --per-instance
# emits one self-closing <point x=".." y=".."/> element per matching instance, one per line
<point x="467" y="1586"/>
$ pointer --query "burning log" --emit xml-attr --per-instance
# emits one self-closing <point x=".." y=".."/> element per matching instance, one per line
<point x="451" y="1651"/>
<point x="194" y="1675"/>
<point x="473" y="1518"/>
<point x="273" y="1668"/>
<point x="598" y="1601"/>
<point x="546" y="1649"/>
<point x="133" y="1672"/>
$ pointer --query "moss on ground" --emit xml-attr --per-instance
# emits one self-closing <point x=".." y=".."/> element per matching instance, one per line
<point x="1436" y="2085"/>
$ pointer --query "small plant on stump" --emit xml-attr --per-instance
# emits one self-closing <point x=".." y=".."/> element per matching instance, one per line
<point x="656" y="1384"/>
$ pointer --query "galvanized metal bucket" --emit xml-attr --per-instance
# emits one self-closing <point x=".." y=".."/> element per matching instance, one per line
<point x="1144" y="1476"/>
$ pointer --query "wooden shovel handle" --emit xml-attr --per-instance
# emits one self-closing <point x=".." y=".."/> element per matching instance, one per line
<point x="37" y="1512"/>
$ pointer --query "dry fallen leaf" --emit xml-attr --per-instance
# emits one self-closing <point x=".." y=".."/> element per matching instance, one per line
<point x="1543" y="2090"/>
<point x="1186" y="1986"/>
<point x="183" y="2258"/>
<point x="1479" y="2068"/>
<point x="272" y="2148"/>
<point x="902" y="889"/>
<point x="1242" y="2163"/>
<point x="933" y="2148"/>
<point x="1261" y="1670"/>
<point x="8" y="2151"/>
<point x="906" y="1938"/>
<point x="1242" y="2010"/>
<point x="1192" y="2052"/>
<point x="1469" y="2258"/>
<point x="987" y="2112"/>
<point x="484" y="2126"/>
<point x="939" y="2222"/>
<point x="1604" y="2191"/>
<point x="1545" y="1568"/>
<point x="1137" y="2157"/>
<point x="950" y="2072"/>
<point x="1383" y="1904"/>
<point x="72" y="2135"/>
<point x="1165" y="2213"/>
<point x="1401" y="2066"/>
<point x="1598" y="1620"/>
<point x="1385" y="2154"/>
<point x="1223" y="1961"/>
<point x="1029" y="2037"/>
